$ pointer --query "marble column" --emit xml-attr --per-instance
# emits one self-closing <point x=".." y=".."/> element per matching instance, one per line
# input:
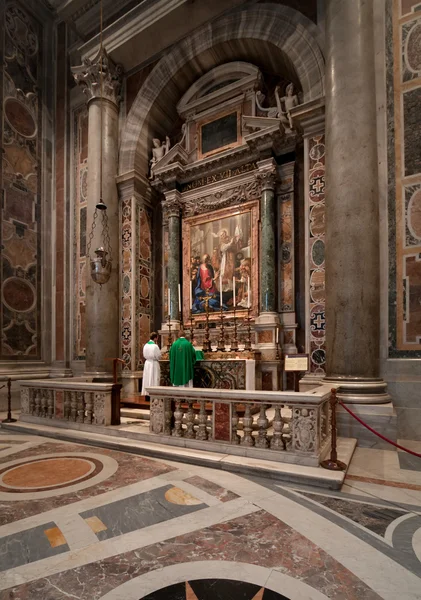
<point x="267" y="321"/>
<point x="102" y="302"/>
<point x="352" y="204"/>
<point x="171" y="208"/>
<point x="267" y="178"/>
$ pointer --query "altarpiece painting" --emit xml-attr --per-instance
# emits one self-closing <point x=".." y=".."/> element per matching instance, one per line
<point x="220" y="261"/>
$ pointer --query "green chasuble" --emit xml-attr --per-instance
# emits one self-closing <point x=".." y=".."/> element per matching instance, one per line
<point x="182" y="359"/>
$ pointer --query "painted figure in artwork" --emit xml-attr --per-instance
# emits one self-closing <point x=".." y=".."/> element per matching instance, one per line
<point x="244" y="294"/>
<point x="159" y="150"/>
<point x="204" y="285"/>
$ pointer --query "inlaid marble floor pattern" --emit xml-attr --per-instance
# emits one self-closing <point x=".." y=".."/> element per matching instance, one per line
<point x="97" y="524"/>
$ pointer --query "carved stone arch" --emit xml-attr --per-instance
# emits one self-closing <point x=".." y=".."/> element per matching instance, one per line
<point x="292" y="39"/>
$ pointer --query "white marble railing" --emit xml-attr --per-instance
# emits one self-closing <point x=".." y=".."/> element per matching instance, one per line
<point x="287" y="426"/>
<point x="69" y="400"/>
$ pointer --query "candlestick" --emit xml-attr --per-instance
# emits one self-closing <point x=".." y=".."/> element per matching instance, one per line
<point x="247" y="345"/>
<point x="169" y="333"/>
<point x="277" y="335"/>
<point x="233" y="291"/>
<point x="191" y="295"/>
<point x="220" y="290"/>
<point x="234" y="345"/>
<point x="191" y="327"/>
<point x="206" y="344"/>
<point x="248" y="292"/>
<point x="221" y="342"/>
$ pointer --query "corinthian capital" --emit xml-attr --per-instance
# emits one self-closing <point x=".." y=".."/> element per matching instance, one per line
<point x="171" y="207"/>
<point x="266" y="175"/>
<point x="88" y="76"/>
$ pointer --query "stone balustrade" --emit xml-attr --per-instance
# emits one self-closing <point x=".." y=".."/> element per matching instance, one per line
<point x="286" y="426"/>
<point x="70" y="400"/>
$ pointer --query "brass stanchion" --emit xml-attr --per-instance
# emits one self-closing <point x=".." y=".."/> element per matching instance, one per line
<point x="9" y="403"/>
<point x="332" y="463"/>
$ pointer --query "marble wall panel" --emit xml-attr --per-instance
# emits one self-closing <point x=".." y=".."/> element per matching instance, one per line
<point x="137" y="280"/>
<point x="80" y="173"/>
<point x="285" y="194"/>
<point x="316" y="253"/>
<point x="20" y="182"/>
<point x="403" y="68"/>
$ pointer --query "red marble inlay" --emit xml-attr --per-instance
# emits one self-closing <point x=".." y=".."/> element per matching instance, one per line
<point x="222" y="422"/>
<point x="258" y="539"/>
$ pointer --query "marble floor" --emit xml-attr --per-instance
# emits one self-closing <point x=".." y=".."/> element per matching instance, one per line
<point x="92" y="523"/>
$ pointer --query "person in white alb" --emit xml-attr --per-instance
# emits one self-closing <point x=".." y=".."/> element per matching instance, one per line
<point x="151" y="368"/>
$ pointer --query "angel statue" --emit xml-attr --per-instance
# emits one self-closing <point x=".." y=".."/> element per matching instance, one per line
<point x="159" y="150"/>
<point x="277" y="112"/>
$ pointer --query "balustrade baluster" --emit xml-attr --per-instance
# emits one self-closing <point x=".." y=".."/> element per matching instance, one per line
<point x="44" y="399"/>
<point x="50" y="404"/>
<point x="167" y="416"/>
<point x="190" y="433"/>
<point x="66" y="406"/>
<point x="178" y="420"/>
<point x="263" y="424"/>
<point x="235" y="438"/>
<point x="248" y="439"/>
<point x="277" y="442"/>
<point x="80" y="407"/>
<point x="89" y="407"/>
<point x="73" y="406"/>
<point x="37" y="403"/>
<point x="31" y="401"/>
<point x="202" y="433"/>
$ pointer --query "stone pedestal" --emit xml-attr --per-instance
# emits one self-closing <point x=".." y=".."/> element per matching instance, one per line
<point x="102" y="315"/>
<point x="352" y="210"/>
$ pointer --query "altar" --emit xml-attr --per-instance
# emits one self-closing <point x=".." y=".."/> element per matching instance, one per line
<point x="223" y="373"/>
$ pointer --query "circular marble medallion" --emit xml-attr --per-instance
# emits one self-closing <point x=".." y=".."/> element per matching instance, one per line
<point x="49" y="475"/>
<point x="317" y="220"/>
<point x="318" y="253"/>
<point x="18" y="294"/>
<point x="414" y="215"/>
<point x="317" y="151"/>
<point x="413" y="49"/>
<point x="317" y="286"/>
<point x="19" y="118"/>
<point x="50" y="472"/>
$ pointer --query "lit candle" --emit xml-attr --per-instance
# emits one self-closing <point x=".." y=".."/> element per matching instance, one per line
<point x="169" y="302"/>
<point x="248" y="292"/>
<point x="220" y="290"/>
<point x="277" y="335"/>
<point x="233" y="290"/>
<point x="191" y="295"/>
<point x="179" y="297"/>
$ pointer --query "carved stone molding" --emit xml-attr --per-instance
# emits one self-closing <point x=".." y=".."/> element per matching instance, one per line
<point x="88" y="76"/>
<point x="222" y="199"/>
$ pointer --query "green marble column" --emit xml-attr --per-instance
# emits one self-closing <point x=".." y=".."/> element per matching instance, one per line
<point x="172" y="211"/>
<point x="267" y="243"/>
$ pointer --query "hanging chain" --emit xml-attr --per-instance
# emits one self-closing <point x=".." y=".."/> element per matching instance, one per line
<point x="91" y="235"/>
<point x="106" y="234"/>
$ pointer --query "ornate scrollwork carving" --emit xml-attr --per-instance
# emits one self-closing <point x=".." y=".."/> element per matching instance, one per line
<point x="222" y="199"/>
<point x="88" y="76"/>
<point x="171" y="207"/>
<point x="267" y="179"/>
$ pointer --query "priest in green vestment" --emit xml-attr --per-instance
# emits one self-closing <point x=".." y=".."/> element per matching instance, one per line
<point x="182" y="359"/>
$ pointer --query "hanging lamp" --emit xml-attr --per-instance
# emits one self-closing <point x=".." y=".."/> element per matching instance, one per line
<point x="101" y="264"/>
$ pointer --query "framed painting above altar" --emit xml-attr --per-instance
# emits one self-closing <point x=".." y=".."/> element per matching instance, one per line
<point x="220" y="265"/>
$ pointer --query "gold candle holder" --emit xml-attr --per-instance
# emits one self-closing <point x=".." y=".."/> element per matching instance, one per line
<point x="234" y="345"/>
<point x="221" y="342"/>
<point x="206" y="344"/>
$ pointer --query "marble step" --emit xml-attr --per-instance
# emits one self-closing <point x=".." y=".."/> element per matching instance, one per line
<point x="381" y="417"/>
<point x="116" y="439"/>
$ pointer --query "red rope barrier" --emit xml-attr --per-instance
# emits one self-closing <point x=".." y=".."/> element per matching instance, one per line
<point x="377" y="433"/>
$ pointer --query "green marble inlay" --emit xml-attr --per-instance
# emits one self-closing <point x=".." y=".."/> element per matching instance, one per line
<point x="268" y="266"/>
<point x="174" y="264"/>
